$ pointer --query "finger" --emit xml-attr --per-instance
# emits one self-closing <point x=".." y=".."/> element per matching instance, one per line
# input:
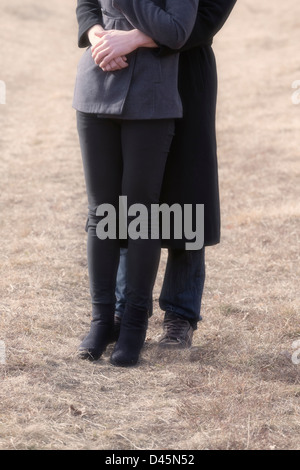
<point x="104" y="58"/>
<point x="98" y="57"/>
<point x="102" y="43"/>
<point x="96" y="46"/>
<point x="107" y="68"/>
<point x="121" y="62"/>
<point x="113" y="65"/>
<point x="109" y="57"/>
<point x="99" y="47"/>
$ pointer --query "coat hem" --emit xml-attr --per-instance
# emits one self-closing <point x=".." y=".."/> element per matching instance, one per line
<point x="129" y="116"/>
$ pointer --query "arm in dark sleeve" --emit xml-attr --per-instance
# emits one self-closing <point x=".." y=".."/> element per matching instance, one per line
<point x="211" y="16"/>
<point x="88" y="14"/>
<point x="171" y="26"/>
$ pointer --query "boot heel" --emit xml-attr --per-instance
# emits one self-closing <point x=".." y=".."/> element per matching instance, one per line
<point x="100" y="334"/>
<point x="131" y="339"/>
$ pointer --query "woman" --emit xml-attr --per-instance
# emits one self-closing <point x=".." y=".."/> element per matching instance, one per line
<point x="191" y="170"/>
<point x="125" y="124"/>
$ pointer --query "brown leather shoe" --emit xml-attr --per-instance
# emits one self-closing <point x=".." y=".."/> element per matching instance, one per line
<point x="177" y="332"/>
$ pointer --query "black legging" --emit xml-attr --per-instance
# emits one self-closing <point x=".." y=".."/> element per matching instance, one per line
<point x="122" y="157"/>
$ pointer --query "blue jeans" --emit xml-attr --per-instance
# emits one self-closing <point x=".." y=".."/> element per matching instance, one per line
<point x="182" y="287"/>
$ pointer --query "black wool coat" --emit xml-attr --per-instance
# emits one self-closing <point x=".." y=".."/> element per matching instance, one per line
<point x="191" y="175"/>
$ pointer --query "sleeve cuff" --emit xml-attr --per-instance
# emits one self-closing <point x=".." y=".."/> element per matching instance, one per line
<point x="83" y="40"/>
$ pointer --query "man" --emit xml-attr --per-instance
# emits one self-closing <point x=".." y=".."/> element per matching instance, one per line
<point x="191" y="175"/>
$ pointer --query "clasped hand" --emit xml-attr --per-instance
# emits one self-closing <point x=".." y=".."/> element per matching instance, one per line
<point x="111" y="48"/>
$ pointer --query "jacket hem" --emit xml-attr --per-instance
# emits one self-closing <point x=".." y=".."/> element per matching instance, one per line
<point x="113" y="115"/>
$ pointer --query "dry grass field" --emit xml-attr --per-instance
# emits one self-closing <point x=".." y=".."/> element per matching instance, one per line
<point x="237" y="388"/>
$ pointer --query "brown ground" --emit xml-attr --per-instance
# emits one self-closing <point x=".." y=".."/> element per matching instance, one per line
<point x="237" y="388"/>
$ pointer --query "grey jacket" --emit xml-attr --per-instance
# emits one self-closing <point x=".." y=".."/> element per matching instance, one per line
<point x="147" y="88"/>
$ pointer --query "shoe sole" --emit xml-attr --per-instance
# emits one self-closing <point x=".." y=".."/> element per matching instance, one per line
<point x="123" y="364"/>
<point x="174" y="345"/>
<point x="87" y="355"/>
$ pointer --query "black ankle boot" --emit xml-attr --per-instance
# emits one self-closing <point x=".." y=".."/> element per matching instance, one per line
<point x="132" y="337"/>
<point x="100" y="334"/>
